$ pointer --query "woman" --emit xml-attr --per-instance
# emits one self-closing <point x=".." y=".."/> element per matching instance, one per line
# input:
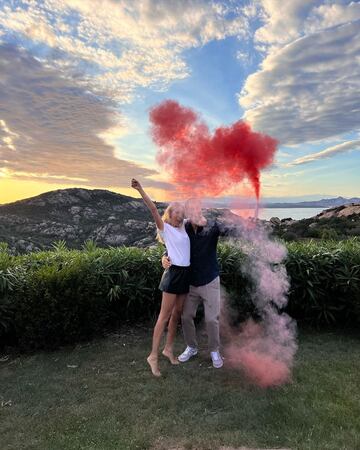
<point x="175" y="280"/>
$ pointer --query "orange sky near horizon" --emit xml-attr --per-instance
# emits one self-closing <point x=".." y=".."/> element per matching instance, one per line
<point x="12" y="190"/>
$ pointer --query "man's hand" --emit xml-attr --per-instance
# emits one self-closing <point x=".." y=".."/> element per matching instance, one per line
<point x="166" y="262"/>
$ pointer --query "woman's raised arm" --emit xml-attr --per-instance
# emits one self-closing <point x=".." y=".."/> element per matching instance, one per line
<point x="149" y="203"/>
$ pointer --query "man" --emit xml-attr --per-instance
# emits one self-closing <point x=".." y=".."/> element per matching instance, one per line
<point x="204" y="281"/>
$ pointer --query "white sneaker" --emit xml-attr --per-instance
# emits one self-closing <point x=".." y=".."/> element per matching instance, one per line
<point x="217" y="360"/>
<point x="188" y="353"/>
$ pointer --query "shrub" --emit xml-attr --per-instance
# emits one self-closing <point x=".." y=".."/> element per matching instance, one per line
<point x="64" y="296"/>
<point x="325" y="281"/>
<point x="329" y="234"/>
<point x="52" y="298"/>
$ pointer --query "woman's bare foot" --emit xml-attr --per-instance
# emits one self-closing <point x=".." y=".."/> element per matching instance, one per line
<point x="154" y="365"/>
<point x="169" y="354"/>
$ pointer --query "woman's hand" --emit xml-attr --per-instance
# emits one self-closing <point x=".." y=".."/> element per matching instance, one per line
<point x="149" y="203"/>
<point x="136" y="184"/>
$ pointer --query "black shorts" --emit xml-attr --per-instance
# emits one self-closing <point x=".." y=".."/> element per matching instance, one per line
<point x="175" y="280"/>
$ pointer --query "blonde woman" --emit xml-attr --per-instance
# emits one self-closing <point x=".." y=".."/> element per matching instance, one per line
<point x="175" y="281"/>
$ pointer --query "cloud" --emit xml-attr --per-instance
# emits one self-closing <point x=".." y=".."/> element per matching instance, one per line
<point x="7" y="137"/>
<point x="307" y="90"/>
<point x="116" y="48"/>
<point x="53" y="130"/>
<point x="327" y="153"/>
<point x="330" y="15"/>
<point x="282" y="21"/>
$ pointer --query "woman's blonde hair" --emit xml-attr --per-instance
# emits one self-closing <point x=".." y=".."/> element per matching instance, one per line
<point x="166" y="217"/>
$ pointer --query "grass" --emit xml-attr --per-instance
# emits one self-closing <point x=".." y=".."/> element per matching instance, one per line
<point x="100" y="395"/>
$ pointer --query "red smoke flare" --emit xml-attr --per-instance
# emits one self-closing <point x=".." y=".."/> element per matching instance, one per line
<point x="204" y="163"/>
<point x="263" y="360"/>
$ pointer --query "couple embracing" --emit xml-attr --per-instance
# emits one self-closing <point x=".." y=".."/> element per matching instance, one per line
<point x="191" y="276"/>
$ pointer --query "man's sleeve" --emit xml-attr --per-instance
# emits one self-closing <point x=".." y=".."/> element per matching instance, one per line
<point x="227" y="229"/>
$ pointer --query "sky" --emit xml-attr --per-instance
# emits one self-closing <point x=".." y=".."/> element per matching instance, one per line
<point x="79" y="77"/>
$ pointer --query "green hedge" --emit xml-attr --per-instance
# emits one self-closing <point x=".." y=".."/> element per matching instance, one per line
<point x="325" y="282"/>
<point x="52" y="298"/>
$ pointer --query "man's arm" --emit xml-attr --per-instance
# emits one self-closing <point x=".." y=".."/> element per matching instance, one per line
<point x="165" y="261"/>
<point x="228" y="229"/>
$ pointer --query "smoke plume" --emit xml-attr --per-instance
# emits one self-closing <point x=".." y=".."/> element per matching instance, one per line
<point x="205" y="163"/>
<point x="263" y="349"/>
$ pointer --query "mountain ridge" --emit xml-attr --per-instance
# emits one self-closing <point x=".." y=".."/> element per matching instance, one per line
<point x="322" y="203"/>
<point x="225" y="202"/>
<point x="76" y="215"/>
<point x="108" y="218"/>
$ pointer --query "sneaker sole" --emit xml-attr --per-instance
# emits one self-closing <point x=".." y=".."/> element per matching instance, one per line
<point x="185" y="360"/>
<point x="218" y="367"/>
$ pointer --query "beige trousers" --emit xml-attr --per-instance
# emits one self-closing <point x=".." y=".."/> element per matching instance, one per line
<point x="209" y="294"/>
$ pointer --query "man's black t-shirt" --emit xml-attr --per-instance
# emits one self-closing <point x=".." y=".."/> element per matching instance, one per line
<point x="204" y="266"/>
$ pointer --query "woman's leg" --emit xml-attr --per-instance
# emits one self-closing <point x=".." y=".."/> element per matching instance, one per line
<point x="172" y="328"/>
<point x="167" y="304"/>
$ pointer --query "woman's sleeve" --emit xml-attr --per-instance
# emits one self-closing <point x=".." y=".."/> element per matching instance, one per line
<point x="163" y="233"/>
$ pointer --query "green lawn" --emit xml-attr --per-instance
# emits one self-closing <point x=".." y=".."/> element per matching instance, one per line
<point x="102" y="396"/>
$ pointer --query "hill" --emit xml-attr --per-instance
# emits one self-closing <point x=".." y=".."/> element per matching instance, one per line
<point x="341" y="222"/>
<point x="76" y="215"/>
<point x="110" y="219"/>
<point x="352" y="209"/>
<point x="323" y="203"/>
<point x="229" y="202"/>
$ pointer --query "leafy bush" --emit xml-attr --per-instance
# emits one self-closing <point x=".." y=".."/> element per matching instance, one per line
<point x="52" y="298"/>
<point x="325" y="228"/>
<point x="329" y="234"/>
<point x="64" y="296"/>
<point x="325" y="281"/>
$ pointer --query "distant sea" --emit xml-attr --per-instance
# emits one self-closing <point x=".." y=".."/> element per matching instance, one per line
<point x="281" y="213"/>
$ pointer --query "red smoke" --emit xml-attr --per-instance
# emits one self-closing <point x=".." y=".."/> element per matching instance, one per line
<point x="260" y="368"/>
<point x="208" y="163"/>
<point x="258" y="355"/>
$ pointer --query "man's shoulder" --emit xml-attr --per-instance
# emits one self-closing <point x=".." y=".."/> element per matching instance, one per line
<point x="212" y="225"/>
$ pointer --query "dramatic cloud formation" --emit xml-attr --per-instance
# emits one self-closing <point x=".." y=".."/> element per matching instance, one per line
<point x="329" y="15"/>
<point x="327" y="153"/>
<point x="282" y="21"/>
<point x="50" y="128"/>
<point x="78" y="77"/>
<point x="309" y="89"/>
<point x="121" y="46"/>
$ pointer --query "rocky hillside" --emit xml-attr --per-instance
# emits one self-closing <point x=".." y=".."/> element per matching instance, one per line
<point x="110" y="219"/>
<point x="341" y="211"/>
<point x="340" y="222"/>
<point x="76" y="215"/>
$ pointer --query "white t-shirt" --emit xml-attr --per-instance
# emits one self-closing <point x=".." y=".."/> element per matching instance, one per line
<point x="177" y="244"/>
